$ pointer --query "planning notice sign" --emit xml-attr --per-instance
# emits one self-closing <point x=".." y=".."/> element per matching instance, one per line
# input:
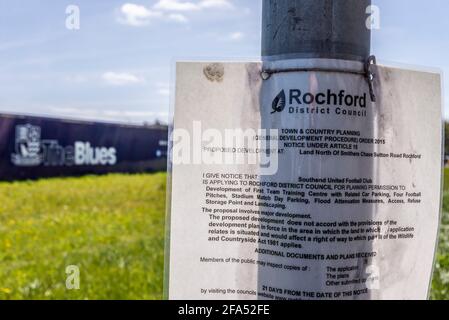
<point x="300" y="185"/>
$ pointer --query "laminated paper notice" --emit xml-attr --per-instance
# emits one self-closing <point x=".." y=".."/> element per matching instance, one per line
<point x="300" y="186"/>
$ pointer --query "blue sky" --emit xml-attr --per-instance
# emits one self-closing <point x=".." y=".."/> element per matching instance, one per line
<point x="117" y="66"/>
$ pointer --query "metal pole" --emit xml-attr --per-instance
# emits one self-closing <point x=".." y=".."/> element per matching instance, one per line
<point x="332" y="29"/>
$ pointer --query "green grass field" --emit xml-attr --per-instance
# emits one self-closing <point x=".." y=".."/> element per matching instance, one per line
<point x="112" y="227"/>
<point x="441" y="276"/>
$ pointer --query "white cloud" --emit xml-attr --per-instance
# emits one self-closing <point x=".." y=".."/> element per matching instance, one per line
<point x="216" y="4"/>
<point x="236" y="36"/>
<point x="163" y="89"/>
<point x="177" y="17"/>
<point x="77" y="78"/>
<point x="176" y="5"/>
<point x="137" y="15"/>
<point x="121" y="79"/>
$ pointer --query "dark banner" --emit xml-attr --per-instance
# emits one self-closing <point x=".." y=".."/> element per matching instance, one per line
<point x="37" y="147"/>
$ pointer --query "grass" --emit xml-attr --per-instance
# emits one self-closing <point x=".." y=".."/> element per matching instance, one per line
<point x="112" y="228"/>
<point x="440" y="286"/>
